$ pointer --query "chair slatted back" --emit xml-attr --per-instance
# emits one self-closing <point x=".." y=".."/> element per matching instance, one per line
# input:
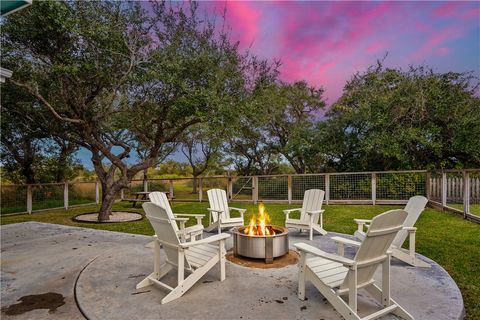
<point x="312" y="200"/>
<point x="160" y="198"/>
<point x="414" y="208"/>
<point x="218" y="201"/>
<point x="164" y="229"/>
<point x="378" y="239"/>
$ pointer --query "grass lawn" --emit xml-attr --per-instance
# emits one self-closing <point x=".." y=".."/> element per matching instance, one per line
<point x="446" y="238"/>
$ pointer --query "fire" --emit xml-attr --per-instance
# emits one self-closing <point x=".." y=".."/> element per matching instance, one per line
<point x="259" y="225"/>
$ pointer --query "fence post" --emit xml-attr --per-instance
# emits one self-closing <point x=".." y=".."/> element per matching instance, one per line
<point x="145" y="185"/>
<point x="97" y="192"/>
<point x="200" y="189"/>
<point x="171" y="189"/>
<point x="122" y="194"/>
<point x="255" y="189"/>
<point x="466" y="194"/>
<point x="374" y="188"/>
<point x="29" y="198"/>
<point x="65" y="195"/>
<point x="428" y="185"/>
<point x="444" y="189"/>
<point x="327" y="188"/>
<point x="289" y="189"/>
<point x="229" y="188"/>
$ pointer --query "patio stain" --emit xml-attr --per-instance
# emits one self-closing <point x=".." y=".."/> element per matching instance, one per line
<point x="49" y="300"/>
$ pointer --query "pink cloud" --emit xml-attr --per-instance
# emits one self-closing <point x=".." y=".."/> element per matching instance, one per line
<point x="244" y="20"/>
<point x="376" y="46"/>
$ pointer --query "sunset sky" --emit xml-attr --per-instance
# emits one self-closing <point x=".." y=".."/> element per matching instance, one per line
<point x="326" y="42"/>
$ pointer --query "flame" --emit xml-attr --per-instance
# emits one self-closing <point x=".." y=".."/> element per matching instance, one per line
<point x="259" y="225"/>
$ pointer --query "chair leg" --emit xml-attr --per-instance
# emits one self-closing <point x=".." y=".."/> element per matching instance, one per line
<point x="301" y="275"/>
<point x="221" y="252"/>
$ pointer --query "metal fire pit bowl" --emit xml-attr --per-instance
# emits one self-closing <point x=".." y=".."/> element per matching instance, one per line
<point x="260" y="247"/>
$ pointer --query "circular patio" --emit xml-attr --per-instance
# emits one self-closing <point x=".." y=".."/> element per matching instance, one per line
<point x="106" y="289"/>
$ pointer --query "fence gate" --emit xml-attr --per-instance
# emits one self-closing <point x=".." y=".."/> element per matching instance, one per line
<point x="241" y="188"/>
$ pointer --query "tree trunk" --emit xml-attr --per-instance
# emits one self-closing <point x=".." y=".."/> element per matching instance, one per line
<point x="108" y="199"/>
<point x="195" y="182"/>
<point x="61" y="167"/>
<point x="28" y="173"/>
<point x="110" y="188"/>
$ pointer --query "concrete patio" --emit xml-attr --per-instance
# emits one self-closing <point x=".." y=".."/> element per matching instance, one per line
<point x="94" y="274"/>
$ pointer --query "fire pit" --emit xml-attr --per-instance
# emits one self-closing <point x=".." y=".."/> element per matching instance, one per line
<point x="259" y="239"/>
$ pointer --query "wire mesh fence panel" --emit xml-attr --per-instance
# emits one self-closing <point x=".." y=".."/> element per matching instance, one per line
<point x="356" y="186"/>
<point x="475" y="193"/>
<point x="213" y="183"/>
<point x="436" y="187"/>
<point x="13" y="199"/>
<point x="273" y="188"/>
<point x="185" y="189"/>
<point x="300" y="184"/>
<point x="81" y="193"/>
<point x="242" y="188"/>
<point x="400" y="185"/>
<point x="47" y="196"/>
<point x="455" y="190"/>
<point x="159" y="185"/>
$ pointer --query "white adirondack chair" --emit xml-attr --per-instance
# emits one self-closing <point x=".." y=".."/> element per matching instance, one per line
<point x="185" y="233"/>
<point x="336" y="276"/>
<point x="414" y="208"/>
<point x="219" y="211"/>
<point x="196" y="257"/>
<point x="310" y="213"/>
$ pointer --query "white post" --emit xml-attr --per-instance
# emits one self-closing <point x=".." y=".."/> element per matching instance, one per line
<point x="145" y="185"/>
<point x="97" y="192"/>
<point x="428" y="185"/>
<point x="65" y="195"/>
<point x="374" y="188"/>
<point x="327" y="188"/>
<point x="289" y="189"/>
<point x="466" y="194"/>
<point x="255" y="190"/>
<point x="29" y="198"/>
<point x="444" y="189"/>
<point x="200" y="190"/>
<point x="122" y="194"/>
<point x="171" y="189"/>
<point x="229" y="188"/>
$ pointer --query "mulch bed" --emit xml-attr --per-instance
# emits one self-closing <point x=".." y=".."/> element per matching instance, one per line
<point x="116" y="216"/>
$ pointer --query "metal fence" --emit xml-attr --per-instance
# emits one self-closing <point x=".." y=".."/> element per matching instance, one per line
<point x="457" y="191"/>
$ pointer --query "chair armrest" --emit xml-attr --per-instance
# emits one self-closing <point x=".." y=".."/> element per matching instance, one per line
<point x="242" y="211"/>
<point x="181" y="219"/>
<point x="196" y="216"/>
<point x="319" y="253"/>
<point x="215" y="238"/>
<point x="188" y="215"/>
<point x="291" y="210"/>
<point x="287" y="212"/>
<point x="347" y="242"/>
<point x="362" y="221"/>
<point x="310" y="212"/>
<point x="410" y="229"/>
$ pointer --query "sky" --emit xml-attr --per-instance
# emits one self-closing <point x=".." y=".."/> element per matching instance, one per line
<point x="325" y="43"/>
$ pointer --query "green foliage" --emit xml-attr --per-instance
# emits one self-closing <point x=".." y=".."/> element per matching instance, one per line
<point x="395" y="119"/>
